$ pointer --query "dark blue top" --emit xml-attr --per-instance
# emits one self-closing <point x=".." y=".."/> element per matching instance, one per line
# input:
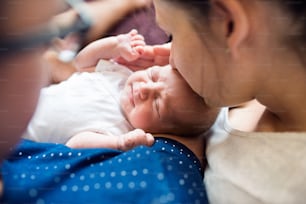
<point x="44" y="173"/>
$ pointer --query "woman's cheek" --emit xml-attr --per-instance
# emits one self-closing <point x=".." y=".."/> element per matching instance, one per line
<point x="171" y="61"/>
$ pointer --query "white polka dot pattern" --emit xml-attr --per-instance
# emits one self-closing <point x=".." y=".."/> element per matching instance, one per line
<point x="167" y="172"/>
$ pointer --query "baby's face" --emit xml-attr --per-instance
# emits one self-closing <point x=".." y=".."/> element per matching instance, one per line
<point x="150" y="96"/>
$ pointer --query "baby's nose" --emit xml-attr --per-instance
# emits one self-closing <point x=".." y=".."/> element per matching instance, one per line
<point x="148" y="90"/>
<point x="145" y="90"/>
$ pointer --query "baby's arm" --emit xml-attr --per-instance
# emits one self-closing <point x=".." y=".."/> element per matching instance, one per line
<point x="128" y="46"/>
<point x="123" y="142"/>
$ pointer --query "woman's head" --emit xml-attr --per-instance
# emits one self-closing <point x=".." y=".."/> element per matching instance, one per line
<point x="158" y="100"/>
<point x="226" y="49"/>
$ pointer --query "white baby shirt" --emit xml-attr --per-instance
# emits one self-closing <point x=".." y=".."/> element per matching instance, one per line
<point x="84" y="102"/>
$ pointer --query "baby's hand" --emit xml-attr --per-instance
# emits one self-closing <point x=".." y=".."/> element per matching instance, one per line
<point x="131" y="45"/>
<point x="152" y="55"/>
<point x="134" y="138"/>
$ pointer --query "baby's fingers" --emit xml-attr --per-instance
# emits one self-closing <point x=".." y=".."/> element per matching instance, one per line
<point x="135" y="138"/>
<point x="138" y="43"/>
<point x="149" y="139"/>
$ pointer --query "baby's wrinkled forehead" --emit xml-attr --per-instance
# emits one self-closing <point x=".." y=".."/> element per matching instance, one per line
<point x="167" y="70"/>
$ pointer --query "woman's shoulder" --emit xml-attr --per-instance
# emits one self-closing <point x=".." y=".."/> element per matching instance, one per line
<point x="254" y="160"/>
<point x="243" y="124"/>
<point x="247" y="117"/>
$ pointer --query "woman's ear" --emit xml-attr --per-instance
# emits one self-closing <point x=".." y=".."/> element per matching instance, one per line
<point x="235" y="23"/>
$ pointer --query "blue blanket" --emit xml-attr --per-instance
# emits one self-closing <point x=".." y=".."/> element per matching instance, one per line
<point x="43" y="173"/>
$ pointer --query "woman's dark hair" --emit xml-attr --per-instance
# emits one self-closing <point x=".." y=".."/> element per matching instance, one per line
<point x="196" y="8"/>
<point x="199" y="9"/>
<point x="297" y="9"/>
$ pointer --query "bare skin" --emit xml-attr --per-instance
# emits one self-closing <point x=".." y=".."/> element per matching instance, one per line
<point x="119" y="46"/>
<point x="122" y="142"/>
<point x="277" y="85"/>
<point x="129" y="47"/>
